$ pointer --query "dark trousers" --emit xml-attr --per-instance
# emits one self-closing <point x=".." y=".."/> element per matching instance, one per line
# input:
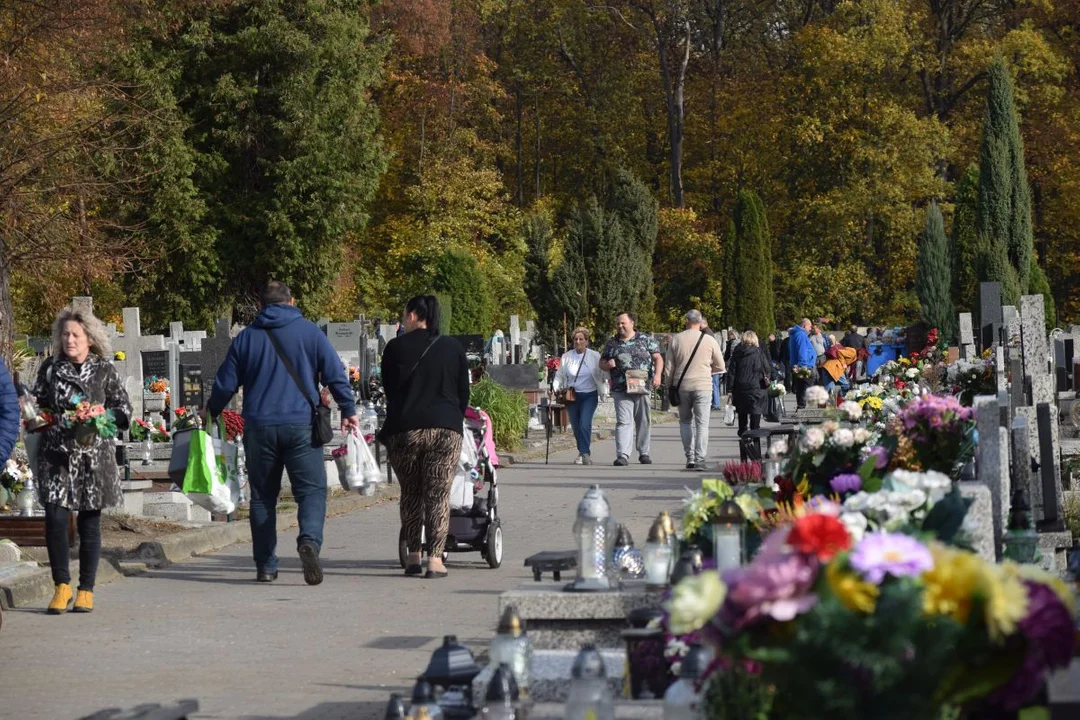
<point x="270" y="450"/>
<point x="56" y="539"/>
<point x="754" y="418"/>
<point x="581" y="413"/>
<point x="800" y="388"/>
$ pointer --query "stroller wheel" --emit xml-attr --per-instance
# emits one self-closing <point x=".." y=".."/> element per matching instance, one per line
<point x="493" y="550"/>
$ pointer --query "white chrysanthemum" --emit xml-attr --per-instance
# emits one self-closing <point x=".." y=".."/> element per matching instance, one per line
<point x="817" y="395"/>
<point x="856" y="524"/>
<point x="862" y="435"/>
<point x="853" y="410"/>
<point x="843" y="438"/>
<point x="814" y="439"/>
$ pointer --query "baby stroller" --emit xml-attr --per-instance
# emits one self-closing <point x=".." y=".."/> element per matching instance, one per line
<point x="474" y="518"/>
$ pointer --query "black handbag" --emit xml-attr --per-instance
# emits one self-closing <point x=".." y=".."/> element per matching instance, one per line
<point x="322" y="431"/>
<point x="673" y="392"/>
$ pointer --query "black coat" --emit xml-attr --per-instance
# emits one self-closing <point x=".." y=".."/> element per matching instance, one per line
<point x="854" y="340"/>
<point x="749" y="370"/>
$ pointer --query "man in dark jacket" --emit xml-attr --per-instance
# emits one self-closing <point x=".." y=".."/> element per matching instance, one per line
<point x="9" y="414"/>
<point x="801" y="354"/>
<point x="853" y="339"/>
<point x="278" y="421"/>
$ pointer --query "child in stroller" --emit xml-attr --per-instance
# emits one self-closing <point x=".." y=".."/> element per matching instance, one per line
<point x="474" y="518"/>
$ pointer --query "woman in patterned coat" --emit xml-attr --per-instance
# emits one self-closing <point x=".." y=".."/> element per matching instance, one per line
<point x="71" y="476"/>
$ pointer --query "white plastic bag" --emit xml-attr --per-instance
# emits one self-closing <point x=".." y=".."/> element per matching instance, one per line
<point x="729" y="413"/>
<point x="461" y="491"/>
<point x="361" y="470"/>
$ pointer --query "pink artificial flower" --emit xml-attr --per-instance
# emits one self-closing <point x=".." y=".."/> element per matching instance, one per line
<point x="775" y="585"/>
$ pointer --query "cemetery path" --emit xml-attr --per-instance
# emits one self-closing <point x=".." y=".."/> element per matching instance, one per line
<point x="203" y="629"/>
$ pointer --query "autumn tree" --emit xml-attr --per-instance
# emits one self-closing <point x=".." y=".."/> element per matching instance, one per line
<point x="686" y="268"/>
<point x="933" y="275"/>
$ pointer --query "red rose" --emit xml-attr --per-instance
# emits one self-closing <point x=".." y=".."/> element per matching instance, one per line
<point x="819" y="535"/>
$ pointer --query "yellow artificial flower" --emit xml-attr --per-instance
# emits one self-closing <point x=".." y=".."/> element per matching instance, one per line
<point x="694" y="601"/>
<point x="1006" y="601"/>
<point x="119" y="355"/>
<point x="1034" y="573"/>
<point x="749" y="505"/>
<point x="952" y="583"/>
<point x="874" y="402"/>
<point x="855" y="594"/>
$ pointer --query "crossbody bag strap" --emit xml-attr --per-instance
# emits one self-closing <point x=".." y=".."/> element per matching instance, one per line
<point x="584" y="358"/>
<point x="416" y="364"/>
<point x="289" y="368"/>
<point x="689" y="360"/>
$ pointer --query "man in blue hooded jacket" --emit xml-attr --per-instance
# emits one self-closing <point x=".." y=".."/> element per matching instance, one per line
<point x="278" y="421"/>
<point x="802" y="354"/>
<point x="9" y="415"/>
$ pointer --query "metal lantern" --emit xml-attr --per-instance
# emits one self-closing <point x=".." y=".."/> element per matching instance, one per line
<point x="511" y="647"/>
<point x="626" y="557"/>
<point x="1021" y="540"/>
<point x="657" y="555"/>
<point x="689" y="563"/>
<point x="594" y="530"/>
<point x="729" y="536"/>
<point x="395" y="709"/>
<point x="27" y="497"/>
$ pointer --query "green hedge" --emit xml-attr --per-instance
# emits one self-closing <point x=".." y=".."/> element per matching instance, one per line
<point x="508" y="409"/>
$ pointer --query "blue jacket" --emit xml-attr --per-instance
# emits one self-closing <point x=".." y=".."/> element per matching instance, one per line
<point x="270" y="395"/>
<point x="800" y="351"/>
<point x="9" y="415"/>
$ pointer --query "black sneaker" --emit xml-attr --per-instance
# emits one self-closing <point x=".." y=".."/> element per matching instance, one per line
<point x="266" y="577"/>
<point x="691" y="466"/>
<point x="309" y="558"/>
<point x="645" y="460"/>
<point x="621" y="461"/>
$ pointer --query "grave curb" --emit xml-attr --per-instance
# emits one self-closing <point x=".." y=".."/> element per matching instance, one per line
<point x="34" y="587"/>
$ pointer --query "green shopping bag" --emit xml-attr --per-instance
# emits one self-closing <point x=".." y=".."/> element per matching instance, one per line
<point x="207" y="482"/>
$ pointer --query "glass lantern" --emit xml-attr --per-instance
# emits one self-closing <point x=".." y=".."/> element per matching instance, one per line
<point x="729" y="536"/>
<point x="657" y="555"/>
<point x="512" y="647"/>
<point x="1021" y="540"/>
<point x="594" y="530"/>
<point x="672" y="538"/>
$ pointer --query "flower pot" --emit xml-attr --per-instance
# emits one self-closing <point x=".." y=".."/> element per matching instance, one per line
<point x="85" y="435"/>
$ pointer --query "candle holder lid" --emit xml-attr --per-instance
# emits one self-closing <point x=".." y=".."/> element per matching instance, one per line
<point x="395" y="709"/>
<point x="588" y="665"/>
<point x="511" y="623"/>
<point x="452" y="664"/>
<point x="657" y="533"/>
<point x="623" y="538"/>
<point x="594" y="505"/>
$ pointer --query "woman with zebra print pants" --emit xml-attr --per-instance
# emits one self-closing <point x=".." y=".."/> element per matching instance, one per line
<point x="426" y="380"/>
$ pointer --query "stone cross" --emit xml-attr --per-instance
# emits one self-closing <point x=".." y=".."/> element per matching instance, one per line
<point x="992" y="461"/>
<point x="515" y="338"/>
<point x="967" y="336"/>
<point x="1035" y="349"/>
<point x="132" y="343"/>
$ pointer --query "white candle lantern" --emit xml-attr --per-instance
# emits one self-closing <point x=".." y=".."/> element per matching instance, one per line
<point x="657" y="555"/>
<point x="594" y="530"/>
<point x="729" y="532"/>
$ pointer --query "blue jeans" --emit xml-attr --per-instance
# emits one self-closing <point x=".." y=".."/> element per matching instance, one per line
<point x="716" y="391"/>
<point x="270" y="450"/>
<point x="843" y="382"/>
<point x="581" y="413"/>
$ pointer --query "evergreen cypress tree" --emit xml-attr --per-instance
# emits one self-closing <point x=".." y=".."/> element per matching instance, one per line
<point x="965" y="250"/>
<point x="727" y="271"/>
<point x="571" y="288"/>
<point x="638" y="214"/>
<point x="458" y="275"/>
<point x="751" y="267"/>
<point x="933" y="275"/>
<point x="1004" y="198"/>
<point x="539" y="273"/>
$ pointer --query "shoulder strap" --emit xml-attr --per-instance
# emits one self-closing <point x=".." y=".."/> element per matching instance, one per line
<point x="289" y="367"/>
<point x="417" y="363"/>
<point x="689" y="360"/>
<point x="584" y="358"/>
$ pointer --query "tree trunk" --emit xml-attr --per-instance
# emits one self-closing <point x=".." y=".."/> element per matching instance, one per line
<point x="7" y="320"/>
<point x="674" y="82"/>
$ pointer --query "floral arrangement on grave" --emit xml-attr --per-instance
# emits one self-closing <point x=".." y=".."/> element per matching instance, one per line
<point x="142" y="430"/>
<point x="356" y="380"/>
<point x="155" y="384"/>
<point x="186" y="418"/>
<point x="888" y="625"/>
<point x="817" y="396"/>
<point x="119" y="355"/>
<point x="234" y="425"/>
<point x="14" y="474"/>
<point x="90" y="421"/>
<point x="826" y="450"/>
<point x="934" y="433"/>
<point x="968" y="378"/>
<point x="777" y="389"/>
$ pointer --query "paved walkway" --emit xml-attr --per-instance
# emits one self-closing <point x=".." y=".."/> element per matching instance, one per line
<point x="202" y="629"/>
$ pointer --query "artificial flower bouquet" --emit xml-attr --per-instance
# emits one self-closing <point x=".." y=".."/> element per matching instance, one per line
<point x="889" y="625"/>
<point x="234" y="425"/>
<point x="817" y="396"/>
<point x="90" y="421"/>
<point x="356" y="381"/>
<point x="938" y="432"/>
<point x="186" y="419"/>
<point x="15" y="473"/>
<point x="968" y="378"/>
<point x="142" y="430"/>
<point x="825" y="450"/>
<point x="777" y="389"/>
<point x="802" y="372"/>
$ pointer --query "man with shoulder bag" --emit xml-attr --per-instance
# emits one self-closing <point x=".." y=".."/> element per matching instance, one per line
<point x="636" y="366"/>
<point x="693" y="358"/>
<point x="279" y="360"/>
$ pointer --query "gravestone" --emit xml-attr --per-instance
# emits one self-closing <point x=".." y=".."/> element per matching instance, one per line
<point x="472" y="344"/>
<point x="1017" y="390"/>
<point x="1061" y="368"/>
<point x="980" y="521"/>
<point x="515" y="339"/>
<point x="1011" y="322"/>
<point x="1035" y="349"/>
<point x="515" y="377"/>
<point x="1050" y="468"/>
<point x="992" y="460"/>
<point x="1000" y="374"/>
<point x="155" y="363"/>
<point x="346" y="339"/>
<point x="967" y="336"/>
<point x="132" y="343"/>
<point x="1035" y="443"/>
<point x="83" y="304"/>
<point x="212" y="355"/>
<point x="192" y="392"/>
<point x="1020" y="453"/>
<point x="990" y="316"/>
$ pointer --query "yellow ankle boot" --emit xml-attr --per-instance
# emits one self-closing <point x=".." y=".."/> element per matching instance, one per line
<point x="84" y="602"/>
<point x="60" y="600"/>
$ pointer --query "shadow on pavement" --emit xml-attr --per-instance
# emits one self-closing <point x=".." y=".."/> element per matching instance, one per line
<point x="334" y="711"/>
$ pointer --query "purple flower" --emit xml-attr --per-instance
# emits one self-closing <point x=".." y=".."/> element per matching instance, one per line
<point x="846" y="483"/>
<point x="880" y="455"/>
<point x="775" y="585"/>
<point x="1049" y="634"/>
<point x="880" y="554"/>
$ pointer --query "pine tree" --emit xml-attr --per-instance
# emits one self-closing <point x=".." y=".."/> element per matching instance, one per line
<point x="727" y="280"/>
<point x="933" y="276"/>
<point x="751" y="271"/>
<point x="638" y="214"/>
<point x="965" y="248"/>
<point x="458" y="275"/>
<point x="1004" y="200"/>
<point x="539" y="271"/>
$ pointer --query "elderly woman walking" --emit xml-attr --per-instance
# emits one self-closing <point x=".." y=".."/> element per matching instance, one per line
<point x="75" y="475"/>
<point x="426" y="378"/>
<point x="579" y="378"/>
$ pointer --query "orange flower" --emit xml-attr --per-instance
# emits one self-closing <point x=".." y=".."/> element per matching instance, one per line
<point x="820" y="535"/>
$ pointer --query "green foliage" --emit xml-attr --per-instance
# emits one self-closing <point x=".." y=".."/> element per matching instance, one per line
<point x="1039" y="285"/>
<point x="1004" y="205"/>
<point x="737" y="694"/>
<point x="751" y="268"/>
<point x="508" y="409"/>
<point x="965" y="249"/>
<point x="933" y="276"/>
<point x="458" y="275"/>
<point x="686" y="268"/>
